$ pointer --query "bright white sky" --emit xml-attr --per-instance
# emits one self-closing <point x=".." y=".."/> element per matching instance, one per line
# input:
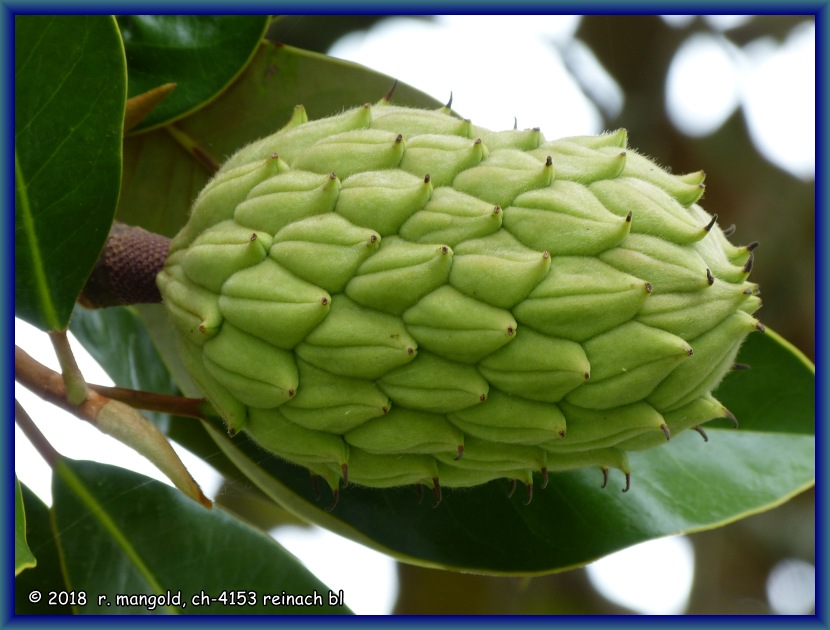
<point x="774" y="84"/>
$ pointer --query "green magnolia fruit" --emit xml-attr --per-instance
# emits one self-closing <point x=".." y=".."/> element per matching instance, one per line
<point x="394" y="296"/>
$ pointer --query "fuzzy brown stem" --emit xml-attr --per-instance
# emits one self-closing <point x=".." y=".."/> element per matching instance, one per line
<point x="126" y="269"/>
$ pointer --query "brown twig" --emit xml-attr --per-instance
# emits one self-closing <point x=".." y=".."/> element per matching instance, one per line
<point x="151" y="401"/>
<point x="111" y="417"/>
<point x="38" y="440"/>
<point x="50" y="386"/>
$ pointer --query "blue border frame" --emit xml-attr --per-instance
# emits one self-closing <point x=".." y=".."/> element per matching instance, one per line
<point x="819" y="9"/>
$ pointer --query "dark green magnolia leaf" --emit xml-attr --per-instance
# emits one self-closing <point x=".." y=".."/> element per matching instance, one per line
<point x="23" y="556"/>
<point x="687" y="485"/>
<point x="47" y="576"/>
<point x="70" y="89"/>
<point x="123" y="534"/>
<point x="117" y="339"/>
<point x="201" y="54"/>
<point x="161" y="180"/>
<point x="777" y="392"/>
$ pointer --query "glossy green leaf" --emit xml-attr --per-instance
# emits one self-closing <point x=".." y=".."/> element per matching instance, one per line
<point x="777" y="392"/>
<point x="23" y="556"/>
<point x="201" y="54"/>
<point x="121" y="533"/>
<point x="117" y="339"/>
<point x="161" y="179"/>
<point x="70" y="89"/>
<point x="687" y="485"/>
<point x="47" y="576"/>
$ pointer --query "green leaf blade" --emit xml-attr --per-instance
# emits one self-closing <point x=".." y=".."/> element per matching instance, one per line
<point x="47" y="576"/>
<point x="201" y="54"/>
<point x="777" y="392"/>
<point x="23" y="556"/>
<point x="70" y="89"/>
<point x="120" y="533"/>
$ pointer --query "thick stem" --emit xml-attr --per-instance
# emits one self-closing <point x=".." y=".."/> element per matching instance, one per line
<point x="126" y="269"/>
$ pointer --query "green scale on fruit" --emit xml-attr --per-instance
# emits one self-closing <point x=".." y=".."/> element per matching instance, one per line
<point x="394" y="296"/>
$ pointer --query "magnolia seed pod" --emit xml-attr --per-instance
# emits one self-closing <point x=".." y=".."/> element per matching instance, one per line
<point x="356" y="341"/>
<point x="280" y="201"/>
<point x="689" y="416"/>
<point x="523" y="140"/>
<point x="222" y="250"/>
<point x="452" y="218"/>
<point x="393" y="296"/>
<point x="579" y="163"/>
<point x="383" y="200"/>
<point x="629" y="361"/>
<point x="668" y="267"/>
<point x="485" y="457"/>
<point x="686" y="189"/>
<point x="194" y="311"/>
<point x="352" y="152"/>
<point x="382" y="471"/>
<point x="324" y="250"/>
<point x="297" y="444"/>
<point x="300" y="133"/>
<point x="328" y="402"/>
<point x="221" y="195"/>
<point x="510" y="419"/>
<point x="458" y="327"/>
<point x="567" y="218"/>
<point x="271" y="303"/>
<point x="431" y="383"/>
<point x="257" y="373"/>
<point x="582" y="297"/>
<point x="604" y="428"/>
<point x="537" y="367"/>
<point x="658" y="214"/>
<point x="443" y="157"/>
<point x="498" y="269"/>
<point x="399" y="275"/>
<point x="505" y="175"/>
<point x="418" y="122"/>
<point x="406" y="431"/>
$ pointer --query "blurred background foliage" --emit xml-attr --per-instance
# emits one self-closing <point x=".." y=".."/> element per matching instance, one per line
<point x="767" y="203"/>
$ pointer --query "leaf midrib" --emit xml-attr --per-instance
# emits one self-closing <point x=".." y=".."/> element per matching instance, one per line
<point x="49" y="312"/>
<point x="97" y="511"/>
